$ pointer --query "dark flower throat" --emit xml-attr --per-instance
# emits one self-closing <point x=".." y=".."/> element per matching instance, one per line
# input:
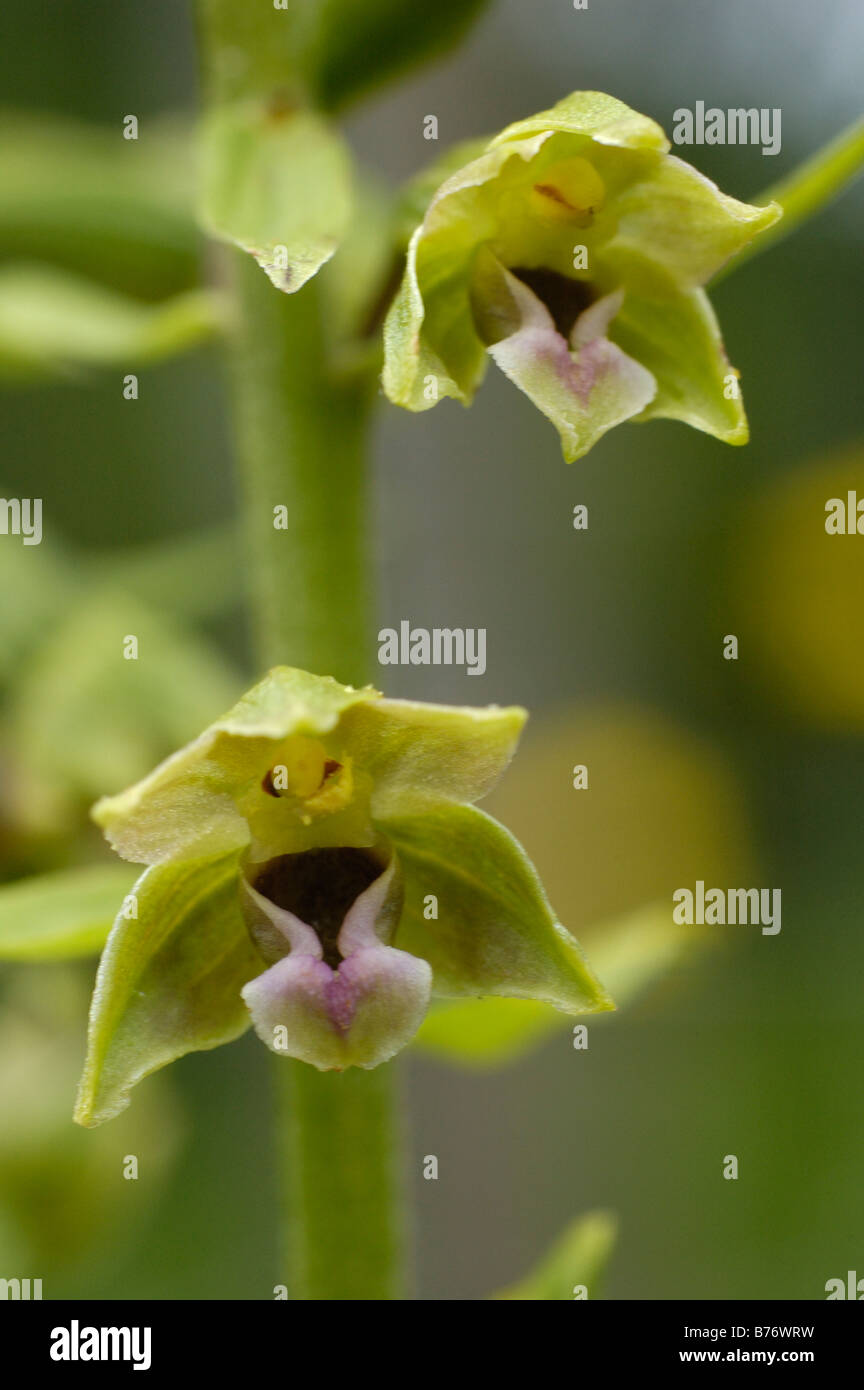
<point x="319" y="887"/>
<point x="565" y="299"/>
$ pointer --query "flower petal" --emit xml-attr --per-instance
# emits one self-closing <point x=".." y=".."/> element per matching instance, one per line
<point x="359" y="1015"/>
<point x="357" y="1007"/>
<point x="494" y="932"/>
<point x="369" y="921"/>
<point x="677" y="338"/>
<point x="584" y="393"/>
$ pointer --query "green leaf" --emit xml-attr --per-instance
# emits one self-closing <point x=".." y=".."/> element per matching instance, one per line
<point x="84" y="718"/>
<point x="636" y="951"/>
<point x="486" y="1033"/>
<point x="52" y="321"/>
<point x="198" y="574"/>
<point x="61" y="915"/>
<point x="168" y="983"/>
<point x="41" y="579"/>
<point x="259" y="47"/>
<point x="60" y="1199"/>
<point x="577" y="1260"/>
<point x="360" y="44"/>
<point x="276" y="184"/>
<point x="495" y="932"/>
<point x="119" y="211"/>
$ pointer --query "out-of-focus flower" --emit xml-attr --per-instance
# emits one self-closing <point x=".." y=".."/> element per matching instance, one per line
<point x="573" y="250"/>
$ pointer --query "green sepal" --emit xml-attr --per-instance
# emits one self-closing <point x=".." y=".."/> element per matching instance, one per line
<point x="495" y="932"/>
<point x="432" y="348"/>
<point x="406" y="755"/>
<point x="677" y="338"/>
<point x="593" y="114"/>
<point x="415" y="374"/>
<point x="419" y="754"/>
<point x="187" y="807"/>
<point x="169" y="981"/>
<point x="416" y="195"/>
<point x="672" y="221"/>
<point x="630" y="955"/>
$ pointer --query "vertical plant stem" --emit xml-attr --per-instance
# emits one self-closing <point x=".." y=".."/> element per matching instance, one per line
<point x="344" y="1220"/>
<point x="301" y="450"/>
<point x="301" y="441"/>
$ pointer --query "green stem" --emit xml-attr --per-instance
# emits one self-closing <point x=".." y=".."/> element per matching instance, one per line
<point x="301" y="438"/>
<point x="301" y="450"/>
<point x="301" y="442"/>
<point x="344" y="1217"/>
<point x="250" y="47"/>
<point x="805" y="191"/>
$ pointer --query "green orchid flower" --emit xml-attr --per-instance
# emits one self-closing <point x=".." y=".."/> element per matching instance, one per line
<point x="572" y="250"/>
<point x="317" y="869"/>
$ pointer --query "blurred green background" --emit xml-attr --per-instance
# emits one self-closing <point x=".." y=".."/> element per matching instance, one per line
<point x="737" y="773"/>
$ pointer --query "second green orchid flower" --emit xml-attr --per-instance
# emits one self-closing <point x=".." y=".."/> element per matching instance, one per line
<point x="572" y="250"/>
<point x="317" y="870"/>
